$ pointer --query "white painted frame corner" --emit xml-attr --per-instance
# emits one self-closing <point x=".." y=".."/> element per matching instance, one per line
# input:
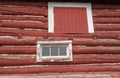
<point x="51" y="6"/>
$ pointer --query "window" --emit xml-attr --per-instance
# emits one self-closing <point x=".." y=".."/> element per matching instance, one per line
<point x="70" y="18"/>
<point x="56" y="50"/>
<point x="51" y="51"/>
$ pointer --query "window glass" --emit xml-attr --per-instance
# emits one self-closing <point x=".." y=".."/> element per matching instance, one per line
<point x="45" y="51"/>
<point x="54" y="51"/>
<point x="62" y="51"/>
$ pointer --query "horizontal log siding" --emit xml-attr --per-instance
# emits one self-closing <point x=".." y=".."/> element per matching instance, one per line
<point x="18" y="60"/>
<point x="59" y="69"/>
<point x="76" y="50"/>
<point x="76" y="41"/>
<point x="23" y="24"/>
<point x="22" y="18"/>
<point x="23" y="10"/>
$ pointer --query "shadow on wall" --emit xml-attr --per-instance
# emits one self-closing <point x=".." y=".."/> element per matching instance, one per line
<point x="93" y="1"/>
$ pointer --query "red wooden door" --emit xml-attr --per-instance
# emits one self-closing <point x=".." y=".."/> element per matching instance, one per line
<point x="70" y="20"/>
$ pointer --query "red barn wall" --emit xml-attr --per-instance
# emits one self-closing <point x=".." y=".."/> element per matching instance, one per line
<point x="23" y="24"/>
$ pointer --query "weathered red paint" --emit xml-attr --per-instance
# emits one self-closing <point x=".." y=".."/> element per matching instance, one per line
<point x="24" y="10"/>
<point x="60" y="69"/>
<point x="96" y="42"/>
<point x="113" y="27"/>
<point x="24" y="32"/>
<point x="53" y="36"/>
<point x="81" y="41"/>
<point x="23" y="18"/>
<point x="22" y="25"/>
<point x="108" y="20"/>
<point x="40" y="4"/>
<point x="18" y="60"/>
<point x="70" y="20"/>
<point x="112" y="35"/>
<point x="76" y="50"/>
<point x="96" y="50"/>
<point x="103" y="13"/>
<point x="19" y="32"/>
<point x="105" y="6"/>
<point x="18" y="50"/>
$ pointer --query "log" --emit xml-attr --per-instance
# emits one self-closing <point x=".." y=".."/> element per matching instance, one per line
<point x="60" y="69"/>
<point x="105" y="20"/>
<point x="18" y="50"/>
<point x="6" y="10"/>
<point x="23" y="32"/>
<point x="107" y="34"/>
<point x="106" y="6"/>
<point x="18" y="60"/>
<point x="54" y="35"/>
<point x="9" y="13"/>
<point x="22" y="24"/>
<point x="8" y="34"/>
<point x="97" y="42"/>
<point x="66" y="75"/>
<point x="99" y="13"/>
<point x="99" y="34"/>
<point x="96" y="58"/>
<point x="40" y="4"/>
<point x="23" y="18"/>
<point x="15" y="41"/>
<point x="113" y="27"/>
<point x="79" y="41"/>
<point x="76" y="50"/>
<point x="96" y="50"/>
<point x="117" y="33"/>
<point x="96" y="35"/>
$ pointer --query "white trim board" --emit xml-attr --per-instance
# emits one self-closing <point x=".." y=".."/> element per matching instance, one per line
<point x="51" y="6"/>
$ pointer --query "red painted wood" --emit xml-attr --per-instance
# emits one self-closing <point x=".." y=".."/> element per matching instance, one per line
<point x="23" y="24"/>
<point x="23" y="32"/>
<point x="106" y="34"/>
<point x="76" y="50"/>
<point x="67" y="75"/>
<point x="17" y="60"/>
<point x="81" y="41"/>
<point x="60" y="69"/>
<point x="112" y="35"/>
<point x="40" y="4"/>
<point x="6" y="10"/>
<point x="99" y="13"/>
<point x="116" y="33"/>
<point x="113" y="27"/>
<point x="96" y="50"/>
<point x="9" y="13"/>
<point x="98" y="34"/>
<point x="106" y="6"/>
<point x="21" y="41"/>
<point x="18" y="50"/>
<point x="70" y="20"/>
<point x="108" y="20"/>
<point x="96" y="42"/>
<point x="23" y="18"/>
<point x="8" y="34"/>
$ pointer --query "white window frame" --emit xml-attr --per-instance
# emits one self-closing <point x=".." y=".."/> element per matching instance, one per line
<point x="41" y="58"/>
<point x="51" y="6"/>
